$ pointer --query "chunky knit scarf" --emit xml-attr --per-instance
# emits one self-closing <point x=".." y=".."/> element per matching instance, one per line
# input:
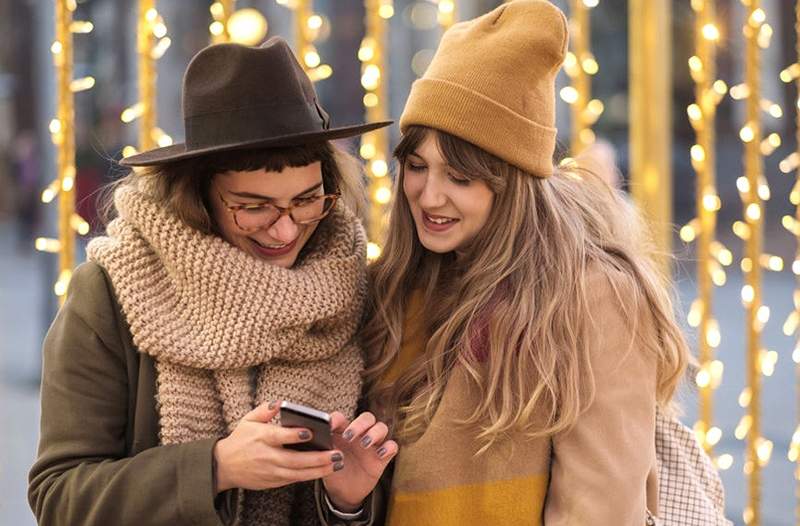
<point x="228" y="331"/>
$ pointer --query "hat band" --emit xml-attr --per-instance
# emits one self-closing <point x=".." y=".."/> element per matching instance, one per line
<point x="253" y="124"/>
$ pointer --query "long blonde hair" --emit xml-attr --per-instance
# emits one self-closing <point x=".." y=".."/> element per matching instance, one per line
<point x="525" y="275"/>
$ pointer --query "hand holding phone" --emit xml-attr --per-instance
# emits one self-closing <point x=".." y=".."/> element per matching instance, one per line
<point x="318" y="422"/>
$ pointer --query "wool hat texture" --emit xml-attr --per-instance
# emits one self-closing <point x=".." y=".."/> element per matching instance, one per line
<point x="492" y="83"/>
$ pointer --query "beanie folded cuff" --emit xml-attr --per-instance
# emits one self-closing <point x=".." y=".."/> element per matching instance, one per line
<point x="475" y="118"/>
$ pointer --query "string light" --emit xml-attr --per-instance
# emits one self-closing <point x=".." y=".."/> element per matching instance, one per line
<point x="307" y="28"/>
<point x="580" y="65"/>
<point x="792" y="163"/>
<point x="759" y="361"/>
<point x="63" y="136"/>
<point x="711" y="253"/>
<point x="446" y="13"/>
<point x="375" y="145"/>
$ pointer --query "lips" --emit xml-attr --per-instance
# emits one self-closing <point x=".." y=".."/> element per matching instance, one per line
<point x="271" y="251"/>
<point x="437" y="223"/>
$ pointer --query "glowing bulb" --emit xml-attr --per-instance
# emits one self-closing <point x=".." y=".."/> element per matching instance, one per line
<point x="744" y="397"/>
<point x="247" y="26"/>
<point x="589" y="65"/>
<point x="367" y="150"/>
<point x="694" y="112"/>
<point x="569" y="94"/>
<point x="746" y="133"/>
<point x="713" y="436"/>
<point x="373" y="251"/>
<point x="710" y="32"/>
<point x="724" y="462"/>
<point x="379" y="168"/>
<point x="370" y="100"/>
<point x="748" y="294"/>
<point x="45" y="244"/>
<point x="753" y="211"/>
<point x="383" y="195"/>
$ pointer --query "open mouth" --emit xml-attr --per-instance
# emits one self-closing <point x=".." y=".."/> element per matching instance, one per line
<point x="436" y="223"/>
<point x="273" y="249"/>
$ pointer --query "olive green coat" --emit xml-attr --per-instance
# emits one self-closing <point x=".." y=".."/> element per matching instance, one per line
<point x="98" y="460"/>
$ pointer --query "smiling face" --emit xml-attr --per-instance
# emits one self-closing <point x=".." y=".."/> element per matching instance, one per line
<point x="280" y="243"/>
<point x="449" y="209"/>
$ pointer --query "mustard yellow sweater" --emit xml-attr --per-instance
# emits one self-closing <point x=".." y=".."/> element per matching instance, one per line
<point x="601" y="472"/>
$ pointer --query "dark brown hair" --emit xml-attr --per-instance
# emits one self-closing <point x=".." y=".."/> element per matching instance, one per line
<point x="183" y="186"/>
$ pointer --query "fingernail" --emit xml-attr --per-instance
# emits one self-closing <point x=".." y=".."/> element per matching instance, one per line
<point x="366" y="441"/>
<point x="336" y="457"/>
<point x="347" y="435"/>
<point x="304" y="435"/>
<point x="381" y="452"/>
<point x="338" y="466"/>
<point x="272" y="405"/>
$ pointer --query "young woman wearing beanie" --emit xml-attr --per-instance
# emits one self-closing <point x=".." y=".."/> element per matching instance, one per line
<point x="232" y="277"/>
<point x="519" y="340"/>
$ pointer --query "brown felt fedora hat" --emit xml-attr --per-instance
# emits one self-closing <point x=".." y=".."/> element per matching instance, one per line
<point x="238" y="97"/>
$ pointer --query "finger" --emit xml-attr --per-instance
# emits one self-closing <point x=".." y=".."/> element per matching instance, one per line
<point x="275" y="435"/>
<point x="359" y="426"/>
<point x="301" y="475"/>
<point x="374" y="436"/>
<point x="387" y="451"/>
<point x="307" y="459"/>
<point x="338" y="422"/>
<point x="264" y="412"/>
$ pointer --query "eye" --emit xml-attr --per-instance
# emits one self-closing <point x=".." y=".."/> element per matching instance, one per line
<point x="459" y="179"/>
<point x="415" y="167"/>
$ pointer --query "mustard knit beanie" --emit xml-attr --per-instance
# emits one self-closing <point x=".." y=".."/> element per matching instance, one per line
<point x="492" y="83"/>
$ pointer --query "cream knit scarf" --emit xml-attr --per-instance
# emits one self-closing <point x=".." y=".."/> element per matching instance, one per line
<point x="228" y="331"/>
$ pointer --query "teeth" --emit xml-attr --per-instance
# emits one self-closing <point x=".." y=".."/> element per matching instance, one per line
<point x="270" y="246"/>
<point x="439" y="221"/>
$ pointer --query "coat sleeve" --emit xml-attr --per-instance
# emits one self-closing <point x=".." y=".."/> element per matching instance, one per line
<point x="81" y="474"/>
<point x="600" y="466"/>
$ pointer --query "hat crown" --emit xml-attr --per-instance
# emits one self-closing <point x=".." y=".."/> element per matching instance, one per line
<point x="227" y="77"/>
<point x="495" y="75"/>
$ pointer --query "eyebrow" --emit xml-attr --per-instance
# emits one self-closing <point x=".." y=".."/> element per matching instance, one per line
<point x="249" y="195"/>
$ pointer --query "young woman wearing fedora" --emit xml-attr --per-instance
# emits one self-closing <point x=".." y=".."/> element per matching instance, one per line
<point x="519" y="340"/>
<point x="232" y="277"/>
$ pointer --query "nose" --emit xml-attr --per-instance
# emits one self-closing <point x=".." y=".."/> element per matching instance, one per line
<point x="432" y="195"/>
<point x="284" y="230"/>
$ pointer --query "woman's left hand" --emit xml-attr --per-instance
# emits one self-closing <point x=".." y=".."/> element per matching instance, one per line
<point x="366" y="452"/>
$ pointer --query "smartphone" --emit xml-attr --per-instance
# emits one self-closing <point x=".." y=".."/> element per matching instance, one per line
<point x="318" y="422"/>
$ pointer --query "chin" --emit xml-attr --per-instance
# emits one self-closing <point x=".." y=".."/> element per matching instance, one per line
<point x="436" y="244"/>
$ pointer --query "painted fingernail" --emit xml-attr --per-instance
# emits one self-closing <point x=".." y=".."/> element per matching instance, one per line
<point x="336" y="457"/>
<point x="338" y="466"/>
<point x="381" y="452"/>
<point x="347" y="435"/>
<point x="366" y="441"/>
<point x="272" y="405"/>
<point x="304" y="435"/>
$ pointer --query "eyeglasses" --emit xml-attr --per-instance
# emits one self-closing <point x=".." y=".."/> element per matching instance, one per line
<point x="303" y="211"/>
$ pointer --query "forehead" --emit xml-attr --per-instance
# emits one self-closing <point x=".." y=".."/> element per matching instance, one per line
<point x="429" y="150"/>
<point x="287" y="182"/>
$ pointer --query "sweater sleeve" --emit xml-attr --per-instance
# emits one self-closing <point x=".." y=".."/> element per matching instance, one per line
<point x="600" y="466"/>
<point x="81" y="474"/>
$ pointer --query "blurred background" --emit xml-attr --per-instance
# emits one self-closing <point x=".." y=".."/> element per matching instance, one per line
<point x="108" y="55"/>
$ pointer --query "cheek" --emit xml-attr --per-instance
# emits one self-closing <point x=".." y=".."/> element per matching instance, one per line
<point x="480" y="202"/>
<point x="412" y="188"/>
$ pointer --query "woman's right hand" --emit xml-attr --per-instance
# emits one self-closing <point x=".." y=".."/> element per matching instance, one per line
<point x="253" y="457"/>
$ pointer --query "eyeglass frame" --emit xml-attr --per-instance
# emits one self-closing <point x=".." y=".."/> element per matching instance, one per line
<point x="282" y="211"/>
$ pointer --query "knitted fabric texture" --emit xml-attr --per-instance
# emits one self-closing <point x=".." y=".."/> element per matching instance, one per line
<point x="492" y="83"/>
<point x="228" y="331"/>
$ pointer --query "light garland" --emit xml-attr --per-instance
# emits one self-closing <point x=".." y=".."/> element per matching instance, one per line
<point x="711" y="254"/>
<point x="792" y="224"/>
<point x="375" y="145"/>
<point x="307" y="26"/>
<point x="221" y="11"/>
<point x="447" y="13"/>
<point x="580" y="65"/>
<point x="754" y="190"/>
<point x="62" y="132"/>
<point x="151" y="44"/>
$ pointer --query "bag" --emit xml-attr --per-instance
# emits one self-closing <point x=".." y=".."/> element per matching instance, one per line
<point x="690" y="492"/>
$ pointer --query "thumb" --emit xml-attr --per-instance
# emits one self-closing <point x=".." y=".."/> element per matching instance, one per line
<point x="264" y="412"/>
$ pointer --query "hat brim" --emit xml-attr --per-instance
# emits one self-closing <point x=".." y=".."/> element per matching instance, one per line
<point x="178" y="152"/>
